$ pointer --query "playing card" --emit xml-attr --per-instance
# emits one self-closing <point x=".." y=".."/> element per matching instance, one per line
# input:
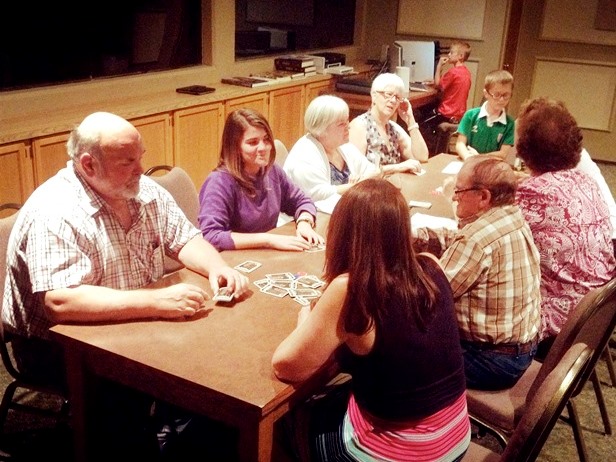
<point x="304" y="293"/>
<point x="310" y="281"/>
<point x="280" y="276"/>
<point x="261" y="283"/>
<point x="248" y="266"/>
<point x="302" y="301"/>
<point x="284" y="284"/>
<point x="275" y="291"/>
<point x="316" y="248"/>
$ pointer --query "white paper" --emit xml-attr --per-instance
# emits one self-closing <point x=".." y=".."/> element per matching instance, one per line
<point x="422" y="220"/>
<point x="453" y="167"/>
<point x="327" y="205"/>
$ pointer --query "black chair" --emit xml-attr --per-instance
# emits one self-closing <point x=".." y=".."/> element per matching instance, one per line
<point x="19" y="379"/>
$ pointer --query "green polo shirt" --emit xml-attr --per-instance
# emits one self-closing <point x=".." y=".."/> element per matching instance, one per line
<point x="483" y="138"/>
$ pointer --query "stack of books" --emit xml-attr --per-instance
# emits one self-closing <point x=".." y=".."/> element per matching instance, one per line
<point x="246" y="81"/>
<point x="277" y="76"/>
<point x="297" y="63"/>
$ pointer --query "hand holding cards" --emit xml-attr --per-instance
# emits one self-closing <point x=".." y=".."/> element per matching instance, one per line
<point x="223" y="294"/>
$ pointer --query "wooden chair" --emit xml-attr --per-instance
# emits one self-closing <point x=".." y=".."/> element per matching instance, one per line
<point x="542" y="410"/>
<point x="19" y="379"/>
<point x="183" y="190"/>
<point x="592" y="321"/>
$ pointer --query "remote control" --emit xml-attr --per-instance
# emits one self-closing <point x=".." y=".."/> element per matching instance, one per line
<point x="420" y="204"/>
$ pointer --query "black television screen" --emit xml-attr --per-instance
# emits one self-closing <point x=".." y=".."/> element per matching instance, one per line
<point x="46" y="43"/>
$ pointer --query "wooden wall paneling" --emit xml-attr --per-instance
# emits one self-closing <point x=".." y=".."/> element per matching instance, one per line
<point x="157" y="136"/>
<point x="576" y="83"/>
<point x="574" y="21"/>
<point x="460" y="19"/>
<point x="17" y="174"/>
<point x="49" y="154"/>
<point x="198" y="135"/>
<point x="286" y="114"/>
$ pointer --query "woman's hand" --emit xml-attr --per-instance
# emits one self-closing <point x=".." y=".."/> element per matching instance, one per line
<point x="294" y="243"/>
<point x="405" y="112"/>
<point x="409" y="165"/>
<point x="305" y="231"/>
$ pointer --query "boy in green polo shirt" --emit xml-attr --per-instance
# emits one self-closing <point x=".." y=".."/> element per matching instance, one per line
<point x="488" y="129"/>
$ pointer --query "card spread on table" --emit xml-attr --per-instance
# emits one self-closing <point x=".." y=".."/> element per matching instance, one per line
<point x="301" y="287"/>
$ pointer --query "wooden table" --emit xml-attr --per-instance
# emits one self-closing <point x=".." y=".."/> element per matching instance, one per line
<point x="218" y="363"/>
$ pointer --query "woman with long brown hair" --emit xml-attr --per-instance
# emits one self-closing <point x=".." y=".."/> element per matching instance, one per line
<point x="392" y="314"/>
<point x="242" y="198"/>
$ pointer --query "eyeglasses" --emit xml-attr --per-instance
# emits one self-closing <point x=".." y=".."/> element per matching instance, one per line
<point x="503" y="96"/>
<point x="389" y="95"/>
<point x="460" y="191"/>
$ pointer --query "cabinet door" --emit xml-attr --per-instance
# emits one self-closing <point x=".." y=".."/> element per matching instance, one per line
<point x="197" y="138"/>
<point x="17" y="174"/>
<point x="258" y="102"/>
<point x="315" y="89"/>
<point x="49" y="153"/>
<point x="286" y="114"/>
<point x="157" y="138"/>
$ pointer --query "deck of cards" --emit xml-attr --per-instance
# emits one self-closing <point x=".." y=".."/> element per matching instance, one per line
<point x="223" y="294"/>
<point x="302" y="288"/>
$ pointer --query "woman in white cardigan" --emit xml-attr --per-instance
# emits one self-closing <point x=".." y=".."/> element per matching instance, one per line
<point x="322" y="162"/>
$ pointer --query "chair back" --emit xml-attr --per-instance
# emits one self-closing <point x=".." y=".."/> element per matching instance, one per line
<point x="281" y="152"/>
<point x="6" y="226"/>
<point x="181" y="187"/>
<point x="571" y="329"/>
<point x="183" y="190"/>
<point x="547" y="403"/>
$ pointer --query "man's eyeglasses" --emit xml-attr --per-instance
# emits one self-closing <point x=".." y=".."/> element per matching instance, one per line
<point x="503" y="96"/>
<point x="389" y="95"/>
<point x="460" y="191"/>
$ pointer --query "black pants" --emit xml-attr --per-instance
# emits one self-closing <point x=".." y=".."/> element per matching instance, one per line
<point x="436" y="139"/>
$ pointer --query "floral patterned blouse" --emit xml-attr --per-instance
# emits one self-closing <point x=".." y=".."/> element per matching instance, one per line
<point x="571" y="228"/>
<point x="385" y="152"/>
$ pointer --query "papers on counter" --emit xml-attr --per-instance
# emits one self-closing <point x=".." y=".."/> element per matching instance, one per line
<point x="452" y="168"/>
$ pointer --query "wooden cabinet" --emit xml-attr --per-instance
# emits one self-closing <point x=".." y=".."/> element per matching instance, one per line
<point x="258" y="102"/>
<point x="188" y="137"/>
<point x="318" y="88"/>
<point x="156" y="133"/>
<point x="49" y="154"/>
<point x="17" y="174"/>
<point x="286" y="114"/>
<point x="198" y="134"/>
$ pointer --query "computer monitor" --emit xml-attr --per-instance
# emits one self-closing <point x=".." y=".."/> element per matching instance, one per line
<point x="420" y="57"/>
<point x="394" y="57"/>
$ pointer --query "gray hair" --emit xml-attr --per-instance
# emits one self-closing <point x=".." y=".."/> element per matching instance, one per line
<point x="385" y="80"/>
<point x="322" y="112"/>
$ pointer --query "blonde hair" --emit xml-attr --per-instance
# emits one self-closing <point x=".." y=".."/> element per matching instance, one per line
<point x="499" y="76"/>
<point x="322" y="112"/>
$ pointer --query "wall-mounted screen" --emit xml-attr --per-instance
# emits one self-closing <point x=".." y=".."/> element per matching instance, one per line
<point x="67" y="41"/>
<point x="266" y="27"/>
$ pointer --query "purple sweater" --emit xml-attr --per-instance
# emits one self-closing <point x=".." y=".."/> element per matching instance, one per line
<point x="225" y="207"/>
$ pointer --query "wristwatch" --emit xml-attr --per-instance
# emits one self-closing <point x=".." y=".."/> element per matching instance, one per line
<point x="306" y="219"/>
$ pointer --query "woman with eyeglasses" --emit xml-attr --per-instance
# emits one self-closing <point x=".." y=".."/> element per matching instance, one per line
<point x="380" y="137"/>
<point x="488" y="129"/>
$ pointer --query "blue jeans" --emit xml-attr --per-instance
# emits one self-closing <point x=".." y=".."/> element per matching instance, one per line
<point x="492" y="370"/>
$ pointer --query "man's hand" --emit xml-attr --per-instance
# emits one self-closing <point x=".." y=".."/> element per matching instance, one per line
<point x="225" y="276"/>
<point x="179" y="300"/>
